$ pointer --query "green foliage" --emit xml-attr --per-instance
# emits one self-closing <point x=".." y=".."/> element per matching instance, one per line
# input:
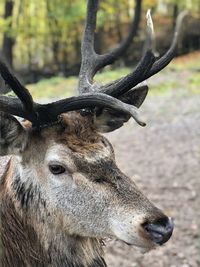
<point x="192" y="5"/>
<point x="48" y="32"/>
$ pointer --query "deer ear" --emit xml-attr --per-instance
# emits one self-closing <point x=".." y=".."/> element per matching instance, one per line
<point x="109" y="120"/>
<point x="13" y="137"/>
<point x="135" y="96"/>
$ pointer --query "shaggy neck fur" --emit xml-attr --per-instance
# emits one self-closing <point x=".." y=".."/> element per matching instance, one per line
<point x="22" y="245"/>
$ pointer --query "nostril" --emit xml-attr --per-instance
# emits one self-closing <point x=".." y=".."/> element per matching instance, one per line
<point x="160" y="231"/>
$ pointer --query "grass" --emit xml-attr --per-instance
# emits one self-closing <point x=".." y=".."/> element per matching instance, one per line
<point x="59" y="87"/>
<point x="163" y="88"/>
<point x="194" y="83"/>
<point x="54" y="87"/>
<point x="110" y="75"/>
<point x="187" y="66"/>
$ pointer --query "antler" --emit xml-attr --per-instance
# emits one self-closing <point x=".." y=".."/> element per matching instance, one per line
<point x="147" y="67"/>
<point x="91" y="61"/>
<point x="42" y="115"/>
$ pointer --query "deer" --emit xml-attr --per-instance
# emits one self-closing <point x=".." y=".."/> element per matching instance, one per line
<point x="62" y="193"/>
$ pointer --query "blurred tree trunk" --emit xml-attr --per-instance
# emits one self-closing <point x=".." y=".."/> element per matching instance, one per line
<point x="8" y="40"/>
<point x="63" y="66"/>
<point x="99" y="41"/>
<point x="54" y="35"/>
<point x="174" y="15"/>
<point x="77" y="44"/>
<point x="118" y="22"/>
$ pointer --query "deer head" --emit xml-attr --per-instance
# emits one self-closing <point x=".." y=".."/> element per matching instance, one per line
<point x="62" y="181"/>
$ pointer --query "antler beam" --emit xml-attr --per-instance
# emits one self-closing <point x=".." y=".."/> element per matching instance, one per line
<point x="17" y="87"/>
<point x="44" y="114"/>
<point x="169" y="55"/>
<point x="48" y="113"/>
<point x="114" y="54"/>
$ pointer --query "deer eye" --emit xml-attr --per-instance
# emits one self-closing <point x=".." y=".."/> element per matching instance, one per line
<point x="56" y="169"/>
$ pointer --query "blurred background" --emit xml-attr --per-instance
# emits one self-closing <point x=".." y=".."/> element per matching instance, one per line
<point x="41" y="38"/>
<point x="40" y="41"/>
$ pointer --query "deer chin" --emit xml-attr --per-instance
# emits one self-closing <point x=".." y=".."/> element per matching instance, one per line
<point x="143" y="245"/>
<point x="133" y="236"/>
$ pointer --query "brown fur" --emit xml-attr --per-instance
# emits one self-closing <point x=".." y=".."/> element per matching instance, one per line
<point x="22" y="247"/>
<point x="20" y="244"/>
<point x="79" y="133"/>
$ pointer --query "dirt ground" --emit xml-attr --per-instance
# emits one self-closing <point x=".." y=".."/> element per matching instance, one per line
<point x="164" y="160"/>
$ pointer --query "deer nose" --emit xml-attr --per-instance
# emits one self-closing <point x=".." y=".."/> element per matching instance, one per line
<point x="160" y="231"/>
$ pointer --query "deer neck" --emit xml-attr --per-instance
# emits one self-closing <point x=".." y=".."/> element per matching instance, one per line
<point x="24" y="243"/>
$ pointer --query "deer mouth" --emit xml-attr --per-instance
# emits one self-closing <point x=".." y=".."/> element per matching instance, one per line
<point x="144" y="245"/>
<point x="149" y="235"/>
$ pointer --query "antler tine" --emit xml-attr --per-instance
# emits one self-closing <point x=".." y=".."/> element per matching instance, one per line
<point x="48" y="113"/>
<point x="124" y="84"/>
<point x="169" y="55"/>
<point x="89" y="56"/>
<point x="114" y="54"/>
<point x="150" y="36"/>
<point x="23" y="108"/>
<point x="17" y="87"/>
<point x="91" y="61"/>
<point x="153" y="66"/>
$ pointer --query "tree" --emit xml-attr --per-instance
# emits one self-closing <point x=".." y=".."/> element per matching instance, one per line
<point x="8" y="39"/>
